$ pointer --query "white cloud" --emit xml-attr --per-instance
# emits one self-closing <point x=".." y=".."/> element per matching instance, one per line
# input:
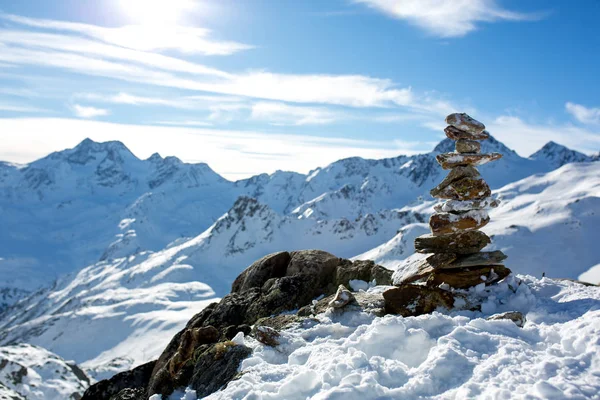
<point x="583" y="114"/>
<point x="284" y="114"/>
<point x="140" y="37"/>
<point x="232" y="153"/>
<point x="526" y="138"/>
<point x="89" y="112"/>
<point x="21" y="109"/>
<point x="447" y="18"/>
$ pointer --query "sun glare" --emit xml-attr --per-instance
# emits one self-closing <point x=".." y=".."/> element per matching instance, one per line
<point x="156" y="12"/>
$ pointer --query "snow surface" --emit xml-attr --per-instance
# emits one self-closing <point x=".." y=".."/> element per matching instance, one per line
<point x="354" y="355"/>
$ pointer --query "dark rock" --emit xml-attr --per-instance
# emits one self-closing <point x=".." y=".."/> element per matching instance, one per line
<point x="411" y="300"/>
<point x="457" y="134"/>
<point x="423" y="268"/>
<point x="467" y="146"/>
<point x="466" y="242"/>
<point x="364" y="270"/>
<point x="515" y="316"/>
<point x="443" y="223"/>
<point x="317" y="263"/>
<point x="465" y="123"/>
<point x="477" y="260"/>
<point x="136" y="378"/>
<point x="464" y="278"/>
<point x="216" y="366"/>
<point x="452" y="160"/>
<point x="232" y="330"/>
<point x="280" y="322"/>
<point x="190" y="340"/>
<point x="272" y="266"/>
<point x="131" y="394"/>
<point x="454" y="175"/>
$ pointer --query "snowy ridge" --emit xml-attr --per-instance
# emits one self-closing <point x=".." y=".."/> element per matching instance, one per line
<point x="32" y="373"/>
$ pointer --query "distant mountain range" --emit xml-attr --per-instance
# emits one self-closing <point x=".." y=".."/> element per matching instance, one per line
<point x="100" y="241"/>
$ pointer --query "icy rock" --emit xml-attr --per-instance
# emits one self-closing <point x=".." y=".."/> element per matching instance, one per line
<point x="368" y="302"/>
<point x="466" y="242"/>
<point x="442" y="223"/>
<point x="464" y="122"/>
<point x="464" y="278"/>
<point x="515" y="316"/>
<point x="477" y="260"/>
<point x="467" y="146"/>
<point x="466" y="205"/>
<point x="457" y="134"/>
<point x="411" y="300"/>
<point x="452" y="160"/>
<point x="342" y="298"/>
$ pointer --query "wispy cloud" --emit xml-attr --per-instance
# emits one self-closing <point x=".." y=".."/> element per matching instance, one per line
<point x="89" y="112"/>
<point x="21" y="109"/>
<point x="284" y="114"/>
<point x="583" y="114"/>
<point x="448" y="18"/>
<point x="229" y="152"/>
<point x="145" y="38"/>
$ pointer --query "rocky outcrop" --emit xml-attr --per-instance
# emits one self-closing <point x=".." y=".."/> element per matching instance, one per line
<point x="202" y="355"/>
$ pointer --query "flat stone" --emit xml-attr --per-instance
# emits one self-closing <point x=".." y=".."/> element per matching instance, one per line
<point x="466" y="205"/>
<point x="467" y="146"/>
<point x="477" y="259"/>
<point x="464" y="278"/>
<point x="411" y="300"/>
<point x="371" y="303"/>
<point x="466" y="242"/>
<point x="464" y="122"/>
<point x="454" y="175"/>
<point x="424" y="267"/>
<point x="464" y="189"/>
<point x="442" y="223"/>
<point x="452" y="160"/>
<point x="515" y="316"/>
<point x="457" y="134"/>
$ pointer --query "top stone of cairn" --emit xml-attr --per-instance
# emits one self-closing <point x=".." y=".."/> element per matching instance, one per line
<point x="465" y="123"/>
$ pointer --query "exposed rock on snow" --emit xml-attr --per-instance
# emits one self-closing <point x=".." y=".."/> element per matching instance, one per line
<point x="410" y="300"/>
<point x="515" y="316"/>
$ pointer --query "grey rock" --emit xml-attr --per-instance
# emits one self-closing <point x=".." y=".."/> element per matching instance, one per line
<point x="342" y="298"/>
<point x="465" y="123"/>
<point x="477" y="260"/>
<point x="467" y="146"/>
<point x="136" y="378"/>
<point x="515" y="316"/>
<point x="423" y="268"/>
<point x="465" y="242"/>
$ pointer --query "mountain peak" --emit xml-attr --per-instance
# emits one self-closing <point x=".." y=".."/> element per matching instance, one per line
<point x="88" y="149"/>
<point x="558" y="155"/>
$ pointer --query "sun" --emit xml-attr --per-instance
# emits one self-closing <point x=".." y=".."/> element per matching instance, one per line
<point x="156" y="12"/>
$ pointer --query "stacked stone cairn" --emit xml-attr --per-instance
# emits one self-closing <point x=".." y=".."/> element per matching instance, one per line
<point x="455" y="242"/>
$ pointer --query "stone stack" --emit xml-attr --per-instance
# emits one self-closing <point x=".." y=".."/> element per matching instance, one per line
<point x="456" y="241"/>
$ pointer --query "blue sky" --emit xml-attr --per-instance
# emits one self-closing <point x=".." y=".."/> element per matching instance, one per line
<point x="253" y="86"/>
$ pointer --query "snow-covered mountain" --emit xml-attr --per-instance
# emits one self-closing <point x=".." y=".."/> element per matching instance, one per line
<point x="65" y="210"/>
<point x="32" y="373"/>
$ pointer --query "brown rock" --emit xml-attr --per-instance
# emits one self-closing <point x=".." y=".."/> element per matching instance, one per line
<point x="464" y="189"/>
<point x="466" y="205"/>
<point x="466" y="242"/>
<point x="452" y="160"/>
<point x="422" y="268"/>
<point x="270" y="266"/>
<point x="464" y="122"/>
<point x="467" y="146"/>
<point x="442" y="223"/>
<point x="454" y="175"/>
<point x="477" y="259"/>
<point x="464" y="278"/>
<point x="515" y="316"/>
<point x="456" y="134"/>
<point x="410" y="300"/>
<point x="267" y="335"/>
